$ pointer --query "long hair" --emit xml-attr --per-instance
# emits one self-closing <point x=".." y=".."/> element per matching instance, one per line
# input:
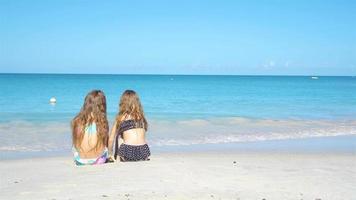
<point x="93" y="110"/>
<point x="130" y="105"/>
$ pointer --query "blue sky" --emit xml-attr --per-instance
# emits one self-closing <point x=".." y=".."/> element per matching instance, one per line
<point x="178" y="37"/>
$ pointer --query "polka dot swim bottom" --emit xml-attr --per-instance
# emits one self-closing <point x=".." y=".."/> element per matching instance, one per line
<point x="134" y="152"/>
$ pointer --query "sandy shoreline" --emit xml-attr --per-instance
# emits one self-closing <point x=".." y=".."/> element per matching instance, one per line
<point x="232" y="175"/>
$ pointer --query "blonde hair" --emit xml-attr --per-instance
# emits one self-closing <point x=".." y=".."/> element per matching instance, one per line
<point x="93" y="110"/>
<point x="130" y="105"/>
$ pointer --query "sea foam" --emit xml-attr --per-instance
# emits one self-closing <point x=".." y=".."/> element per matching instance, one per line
<point x="24" y="136"/>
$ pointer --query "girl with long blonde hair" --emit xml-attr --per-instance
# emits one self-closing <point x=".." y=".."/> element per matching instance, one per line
<point x="90" y="130"/>
<point x="129" y="130"/>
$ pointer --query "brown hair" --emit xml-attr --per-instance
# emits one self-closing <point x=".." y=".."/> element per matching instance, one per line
<point x="93" y="110"/>
<point x="130" y="105"/>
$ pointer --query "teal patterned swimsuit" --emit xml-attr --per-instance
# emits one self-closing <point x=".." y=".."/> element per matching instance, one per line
<point x="91" y="129"/>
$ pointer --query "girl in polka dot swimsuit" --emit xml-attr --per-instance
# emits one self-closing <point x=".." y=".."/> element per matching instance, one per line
<point x="129" y="130"/>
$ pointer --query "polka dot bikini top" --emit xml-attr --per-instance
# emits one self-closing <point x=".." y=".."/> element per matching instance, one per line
<point x="130" y="124"/>
<point x="124" y="126"/>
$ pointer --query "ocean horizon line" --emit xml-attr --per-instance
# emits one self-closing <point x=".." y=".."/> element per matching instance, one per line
<point x="182" y="74"/>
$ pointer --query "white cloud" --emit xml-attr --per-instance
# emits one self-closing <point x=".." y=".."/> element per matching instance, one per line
<point x="272" y="63"/>
<point x="269" y="64"/>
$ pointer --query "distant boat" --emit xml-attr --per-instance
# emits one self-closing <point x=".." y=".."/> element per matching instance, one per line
<point x="314" y="77"/>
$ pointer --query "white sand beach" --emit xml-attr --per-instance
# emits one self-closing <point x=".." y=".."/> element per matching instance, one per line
<point x="231" y="175"/>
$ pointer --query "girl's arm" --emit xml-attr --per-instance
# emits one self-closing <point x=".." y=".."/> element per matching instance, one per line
<point x="112" y="138"/>
<point x="120" y="140"/>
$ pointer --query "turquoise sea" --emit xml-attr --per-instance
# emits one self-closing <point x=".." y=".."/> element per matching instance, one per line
<point x="182" y="110"/>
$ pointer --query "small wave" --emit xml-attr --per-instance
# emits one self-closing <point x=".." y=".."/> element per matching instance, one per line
<point x="228" y="130"/>
<point x="24" y="136"/>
